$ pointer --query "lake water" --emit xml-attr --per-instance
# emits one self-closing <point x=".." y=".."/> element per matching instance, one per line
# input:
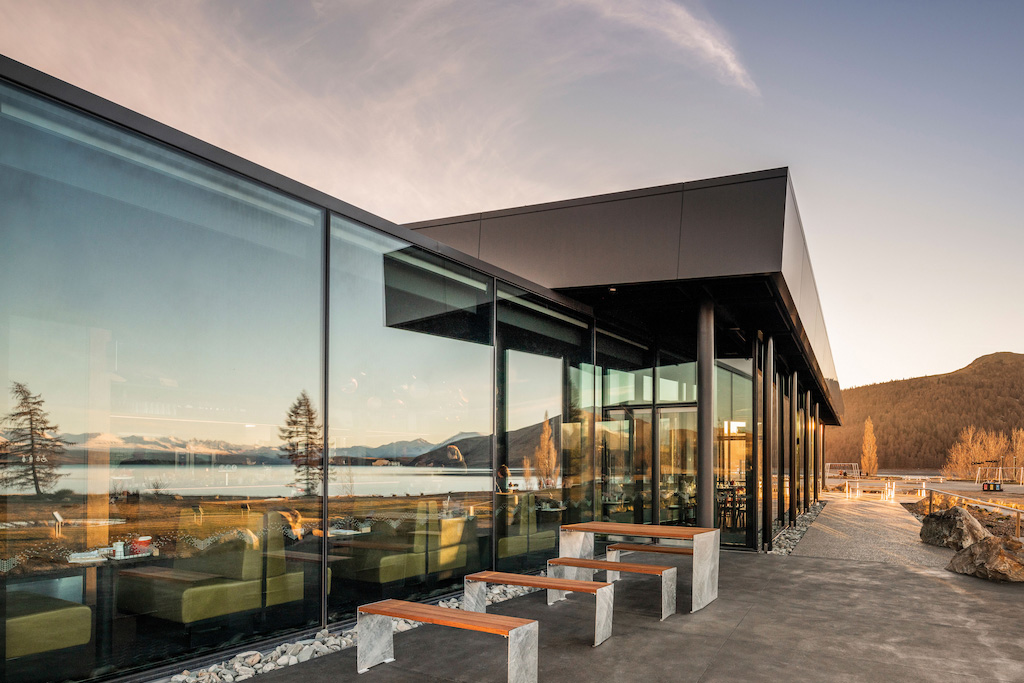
<point x="264" y="481"/>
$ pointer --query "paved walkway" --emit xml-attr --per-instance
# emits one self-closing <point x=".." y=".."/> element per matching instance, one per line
<point x="870" y="530"/>
<point x="776" y="618"/>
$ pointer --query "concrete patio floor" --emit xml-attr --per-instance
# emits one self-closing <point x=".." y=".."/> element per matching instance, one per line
<point x="777" y="618"/>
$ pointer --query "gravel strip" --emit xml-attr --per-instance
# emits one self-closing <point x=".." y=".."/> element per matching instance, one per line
<point x="248" y="664"/>
<point x="786" y="541"/>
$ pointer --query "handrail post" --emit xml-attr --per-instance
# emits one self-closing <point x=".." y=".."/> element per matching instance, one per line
<point x="1018" y="525"/>
<point x="930" y="496"/>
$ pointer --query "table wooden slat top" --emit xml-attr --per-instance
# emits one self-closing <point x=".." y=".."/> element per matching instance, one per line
<point x="628" y="567"/>
<point x="497" y="624"/>
<point x="644" y="530"/>
<point x="570" y="585"/>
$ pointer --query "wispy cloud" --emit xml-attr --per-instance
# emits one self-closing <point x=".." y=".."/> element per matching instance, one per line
<point x="690" y="35"/>
<point x="409" y="110"/>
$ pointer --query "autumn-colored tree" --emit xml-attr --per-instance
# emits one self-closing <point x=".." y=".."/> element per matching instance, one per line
<point x="31" y="456"/>
<point x="961" y="463"/>
<point x="303" y="443"/>
<point x="545" y="456"/>
<point x="1017" y="448"/>
<point x="869" y="450"/>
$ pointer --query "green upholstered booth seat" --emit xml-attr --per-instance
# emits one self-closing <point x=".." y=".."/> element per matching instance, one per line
<point x="523" y="536"/>
<point x="427" y="545"/>
<point x="286" y="587"/>
<point x="186" y="602"/>
<point x="226" y="578"/>
<point x="38" y="623"/>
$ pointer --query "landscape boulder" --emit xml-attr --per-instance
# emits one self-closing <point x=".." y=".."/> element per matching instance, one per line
<point x="996" y="558"/>
<point x="954" y="528"/>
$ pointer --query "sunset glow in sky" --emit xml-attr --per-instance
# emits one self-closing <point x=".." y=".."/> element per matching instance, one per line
<point x="902" y="124"/>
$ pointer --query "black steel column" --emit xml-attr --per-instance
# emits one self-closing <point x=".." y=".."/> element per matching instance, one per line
<point x="781" y="445"/>
<point x="706" y="415"/>
<point x="817" y="452"/>
<point x="794" y="406"/>
<point x="754" y="468"/>
<point x="655" y="445"/>
<point x="820" y="441"/>
<point x="806" y="452"/>
<point x="768" y="401"/>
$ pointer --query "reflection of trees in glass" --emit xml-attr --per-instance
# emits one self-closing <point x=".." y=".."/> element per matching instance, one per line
<point x="303" y="443"/>
<point x="545" y="456"/>
<point x="33" y="449"/>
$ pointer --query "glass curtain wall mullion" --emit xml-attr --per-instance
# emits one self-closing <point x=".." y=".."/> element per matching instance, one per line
<point x="325" y="288"/>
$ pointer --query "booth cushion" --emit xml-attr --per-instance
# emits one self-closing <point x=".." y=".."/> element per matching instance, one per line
<point x="38" y="623"/>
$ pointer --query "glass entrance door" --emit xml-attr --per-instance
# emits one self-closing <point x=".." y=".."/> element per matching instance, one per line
<point x="677" y="450"/>
<point x="624" y="452"/>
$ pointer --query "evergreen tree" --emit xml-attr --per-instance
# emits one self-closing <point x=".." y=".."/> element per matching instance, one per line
<point x="869" y="451"/>
<point x="303" y="443"/>
<point x="31" y="456"/>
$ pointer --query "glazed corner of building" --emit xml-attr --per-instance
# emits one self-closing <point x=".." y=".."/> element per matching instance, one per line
<point x="656" y="253"/>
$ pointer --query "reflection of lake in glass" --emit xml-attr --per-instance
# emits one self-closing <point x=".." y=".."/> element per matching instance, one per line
<point x="275" y="481"/>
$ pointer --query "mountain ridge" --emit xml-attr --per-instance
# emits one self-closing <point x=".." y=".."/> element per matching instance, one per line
<point x="916" y="420"/>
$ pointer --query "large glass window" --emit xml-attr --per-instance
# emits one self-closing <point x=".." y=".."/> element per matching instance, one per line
<point x="624" y="435"/>
<point x="677" y="439"/>
<point x="160" y="361"/>
<point x="734" y="442"/>
<point x="411" y="413"/>
<point x="544" y="473"/>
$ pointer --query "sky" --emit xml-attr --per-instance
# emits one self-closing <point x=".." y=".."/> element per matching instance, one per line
<point x="902" y="124"/>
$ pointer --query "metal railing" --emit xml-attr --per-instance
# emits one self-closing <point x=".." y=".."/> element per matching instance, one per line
<point x="984" y="504"/>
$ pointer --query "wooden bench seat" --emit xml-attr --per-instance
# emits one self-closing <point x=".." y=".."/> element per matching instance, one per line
<point x="475" y="599"/>
<point x="616" y="548"/>
<point x="585" y="569"/>
<point x="376" y="639"/>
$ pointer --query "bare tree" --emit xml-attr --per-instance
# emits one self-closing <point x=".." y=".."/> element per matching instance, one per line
<point x="31" y="456"/>
<point x="869" y="450"/>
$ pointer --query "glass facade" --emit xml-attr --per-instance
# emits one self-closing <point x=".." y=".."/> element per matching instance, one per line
<point x="230" y="414"/>
<point x="162" y="393"/>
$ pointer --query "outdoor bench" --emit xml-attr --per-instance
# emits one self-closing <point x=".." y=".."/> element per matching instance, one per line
<point x="616" y="548"/>
<point x="376" y="641"/>
<point x="476" y="595"/>
<point x="667" y="574"/>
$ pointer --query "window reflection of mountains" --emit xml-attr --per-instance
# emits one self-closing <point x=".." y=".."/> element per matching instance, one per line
<point x="473" y="447"/>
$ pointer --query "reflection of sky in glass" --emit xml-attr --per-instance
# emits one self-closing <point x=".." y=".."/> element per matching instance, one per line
<point x="534" y="389"/>
<point x="146" y="294"/>
<point x="389" y="384"/>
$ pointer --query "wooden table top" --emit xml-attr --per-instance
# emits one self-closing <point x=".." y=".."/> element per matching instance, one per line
<point x="644" y="530"/>
<point x="443" y="616"/>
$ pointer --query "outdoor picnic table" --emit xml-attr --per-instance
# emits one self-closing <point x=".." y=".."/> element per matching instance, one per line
<point x="577" y="540"/>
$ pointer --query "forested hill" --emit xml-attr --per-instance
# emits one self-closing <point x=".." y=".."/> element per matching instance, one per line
<point x="917" y="420"/>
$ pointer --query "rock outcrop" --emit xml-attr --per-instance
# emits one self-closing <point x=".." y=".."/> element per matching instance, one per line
<point x="954" y="528"/>
<point x="996" y="558"/>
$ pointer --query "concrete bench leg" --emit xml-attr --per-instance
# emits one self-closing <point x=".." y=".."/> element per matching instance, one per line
<point x="612" y="556"/>
<point x="668" y="593"/>
<point x="575" y="544"/>
<point x="522" y="654"/>
<point x="376" y="642"/>
<point x="475" y="596"/>
<point x="603" y="614"/>
<point x="554" y="595"/>
<point x="706" y="549"/>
